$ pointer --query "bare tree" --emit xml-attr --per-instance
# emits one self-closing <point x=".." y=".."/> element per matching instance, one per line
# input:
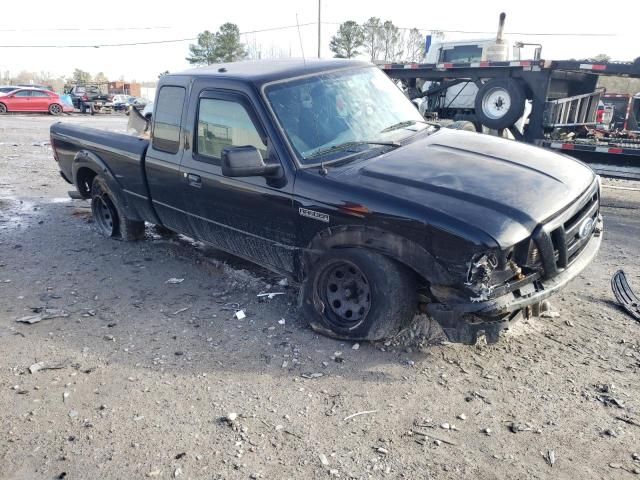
<point x="414" y="45"/>
<point x="390" y="41"/>
<point x="371" y="32"/>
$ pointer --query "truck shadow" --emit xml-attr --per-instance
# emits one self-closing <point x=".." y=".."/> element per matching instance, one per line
<point x="123" y="307"/>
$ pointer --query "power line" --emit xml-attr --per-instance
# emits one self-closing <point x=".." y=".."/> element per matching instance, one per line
<point x="285" y="27"/>
<point x="153" y="42"/>
<point x="81" y="29"/>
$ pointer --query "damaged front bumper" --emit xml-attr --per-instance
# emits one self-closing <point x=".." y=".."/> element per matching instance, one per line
<point x="463" y="321"/>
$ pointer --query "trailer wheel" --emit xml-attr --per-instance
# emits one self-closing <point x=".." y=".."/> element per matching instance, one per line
<point x="463" y="125"/>
<point x="358" y="294"/>
<point x="500" y="103"/>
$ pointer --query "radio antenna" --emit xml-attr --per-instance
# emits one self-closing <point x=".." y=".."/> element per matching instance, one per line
<point x="300" y="38"/>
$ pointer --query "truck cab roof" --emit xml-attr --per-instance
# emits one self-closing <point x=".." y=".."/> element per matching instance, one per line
<point x="260" y="72"/>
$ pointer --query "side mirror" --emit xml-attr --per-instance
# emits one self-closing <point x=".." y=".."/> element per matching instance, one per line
<point x="246" y="161"/>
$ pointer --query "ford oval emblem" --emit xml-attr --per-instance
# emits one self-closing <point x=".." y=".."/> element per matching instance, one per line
<point x="585" y="227"/>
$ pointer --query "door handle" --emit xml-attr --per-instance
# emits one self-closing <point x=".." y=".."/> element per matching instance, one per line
<point x="193" y="180"/>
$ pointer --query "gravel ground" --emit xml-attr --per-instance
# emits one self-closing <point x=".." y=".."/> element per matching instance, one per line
<point x="146" y="378"/>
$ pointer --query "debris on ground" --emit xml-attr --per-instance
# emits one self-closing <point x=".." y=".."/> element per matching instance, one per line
<point x="240" y="314"/>
<point x="550" y="457"/>
<point x="549" y="314"/>
<point x="625" y="295"/>
<point x="35" y="367"/>
<point x="174" y="281"/>
<point x="269" y="295"/>
<point x="365" y="412"/>
<point x="42" y="313"/>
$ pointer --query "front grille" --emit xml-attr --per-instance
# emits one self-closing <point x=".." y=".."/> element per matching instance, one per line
<point x="561" y="239"/>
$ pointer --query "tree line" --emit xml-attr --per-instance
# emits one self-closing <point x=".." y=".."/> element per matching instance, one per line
<point x="380" y="40"/>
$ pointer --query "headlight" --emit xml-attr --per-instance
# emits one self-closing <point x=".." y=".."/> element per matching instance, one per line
<point x="481" y="268"/>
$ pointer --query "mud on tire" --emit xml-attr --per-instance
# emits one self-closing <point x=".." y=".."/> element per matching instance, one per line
<point x="109" y="218"/>
<point x="358" y="294"/>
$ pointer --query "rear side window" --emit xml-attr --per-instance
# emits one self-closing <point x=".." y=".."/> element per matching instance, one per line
<point x="39" y="94"/>
<point x="168" y="118"/>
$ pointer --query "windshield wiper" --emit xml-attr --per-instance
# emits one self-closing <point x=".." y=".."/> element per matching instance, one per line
<point x="407" y="123"/>
<point x="345" y="145"/>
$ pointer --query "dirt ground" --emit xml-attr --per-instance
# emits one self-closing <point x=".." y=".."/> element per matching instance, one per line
<point x="148" y="378"/>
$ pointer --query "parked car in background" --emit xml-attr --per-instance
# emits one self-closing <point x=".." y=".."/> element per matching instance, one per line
<point x="33" y="100"/>
<point x="147" y="111"/>
<point x="88" y="96"/>
<point x="121" y="102"/>
<point x="8" y="88"/>
<point x="138" y="103"/>
<point x="41" y="87"/>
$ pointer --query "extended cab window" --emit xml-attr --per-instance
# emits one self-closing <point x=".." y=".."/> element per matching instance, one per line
<point x="167" y="119"/>
<point x="223" y="123"/>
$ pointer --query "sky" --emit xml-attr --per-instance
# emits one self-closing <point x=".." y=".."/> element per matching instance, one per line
<point x="37" y="23"/>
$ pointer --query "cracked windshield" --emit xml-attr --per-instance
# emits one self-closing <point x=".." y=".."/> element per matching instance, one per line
<point x="324" y="115"/>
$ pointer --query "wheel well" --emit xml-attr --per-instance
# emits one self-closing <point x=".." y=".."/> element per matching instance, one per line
<point x="389" y="244"/>
<point x="84" y="179"/>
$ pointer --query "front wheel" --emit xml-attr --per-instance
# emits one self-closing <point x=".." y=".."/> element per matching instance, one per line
<point x="55" y="109"/>
<point x="3" y="108"/>
<point x="358" y="294"/>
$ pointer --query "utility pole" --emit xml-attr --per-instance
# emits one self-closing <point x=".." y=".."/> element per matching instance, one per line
<point x="319" y="25"/>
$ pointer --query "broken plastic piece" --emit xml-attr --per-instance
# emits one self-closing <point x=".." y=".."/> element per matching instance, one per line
<point x="624" y="294"/>
<point x="240" y="314"/>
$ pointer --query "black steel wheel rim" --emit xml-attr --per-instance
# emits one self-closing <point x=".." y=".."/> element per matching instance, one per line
<point x="346" y="294"/>
<point x="104" y="215"/>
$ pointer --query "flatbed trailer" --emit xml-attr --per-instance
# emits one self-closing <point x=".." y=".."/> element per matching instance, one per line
<point x="564" y="99"/>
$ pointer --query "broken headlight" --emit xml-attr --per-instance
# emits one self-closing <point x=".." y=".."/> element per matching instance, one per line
<point x="481" y="268"/>
<point x="489" y="270"/>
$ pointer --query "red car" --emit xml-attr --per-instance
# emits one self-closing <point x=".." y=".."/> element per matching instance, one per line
<point x="33" y="100"/>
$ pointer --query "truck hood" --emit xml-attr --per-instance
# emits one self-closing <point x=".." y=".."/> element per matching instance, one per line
<point x="501" y="187"/>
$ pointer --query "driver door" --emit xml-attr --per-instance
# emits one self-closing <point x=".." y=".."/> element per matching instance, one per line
<point x="251" y="217"/>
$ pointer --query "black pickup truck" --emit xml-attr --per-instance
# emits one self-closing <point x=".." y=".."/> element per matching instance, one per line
<point x="323" y="171"/>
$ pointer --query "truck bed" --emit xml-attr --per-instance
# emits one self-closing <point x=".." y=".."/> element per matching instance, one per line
<point x="119" y="156"/>
<point x="121" y="152"/>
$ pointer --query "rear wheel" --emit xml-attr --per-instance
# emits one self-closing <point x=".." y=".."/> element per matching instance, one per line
<point x="55" y="109"/>
<point x="108" y="215"/>
<point x="358" y="294"/>
<point x="3" y="108"/>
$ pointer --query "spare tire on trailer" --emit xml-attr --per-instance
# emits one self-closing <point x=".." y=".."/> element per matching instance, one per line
<point x="500" y="103"/>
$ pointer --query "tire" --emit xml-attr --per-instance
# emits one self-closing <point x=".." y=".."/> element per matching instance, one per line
<point x="55" y="109"/>
<point x="500" y="103"/>
<point x="3" y="109"/>
<point x="108" y="215"/>
<point x="463" y="125"/>
<point x="385" y="298"/>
